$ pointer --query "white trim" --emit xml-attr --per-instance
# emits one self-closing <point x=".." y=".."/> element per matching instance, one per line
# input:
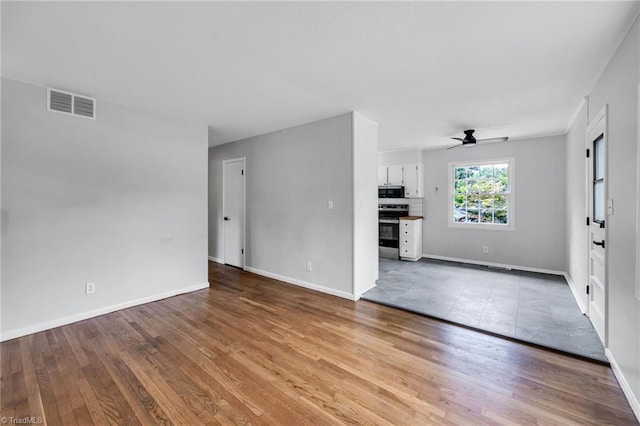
<point x="626" y="389"/>
<point x="638" y="207"/>
<point x="497" y="265"/>
<point x="216" y="259"/>
<point x="510" y="196"/>
<point x="576" y="293"/>
<point x="46" y="325"/>
<point x="359" y="295"/>
<point x="302" y="283"/>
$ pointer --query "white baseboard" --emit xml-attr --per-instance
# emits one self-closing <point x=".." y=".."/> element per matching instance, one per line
<point x="216" y="259"/>
<point x="575" y="293"/>
<point x="301" y="283"/>
<point x="46" y="325"/>
<point x="628" y="392"/>
<point x="359" y="295"/>
<point x="497" y="265"/>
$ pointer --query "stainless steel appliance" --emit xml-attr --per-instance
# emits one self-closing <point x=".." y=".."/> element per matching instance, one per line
<point x="389" y="229"/>
<point x="391" y="192"/>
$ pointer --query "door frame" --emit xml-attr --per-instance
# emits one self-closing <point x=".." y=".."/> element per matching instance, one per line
<point x="602" y="115"/>
<point x="244" y="208"/>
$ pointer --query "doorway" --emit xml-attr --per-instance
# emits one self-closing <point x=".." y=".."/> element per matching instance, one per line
<point x="233" y="211"/>
<point x="598" y="207"/>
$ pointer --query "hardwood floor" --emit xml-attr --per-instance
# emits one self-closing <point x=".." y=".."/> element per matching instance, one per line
<point x="252" y="350"/>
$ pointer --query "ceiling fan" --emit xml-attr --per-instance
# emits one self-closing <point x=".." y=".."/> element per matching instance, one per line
<point x="469" y="140"/>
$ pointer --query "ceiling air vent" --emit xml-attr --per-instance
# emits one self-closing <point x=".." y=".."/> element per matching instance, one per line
<point x="70" y="103"/>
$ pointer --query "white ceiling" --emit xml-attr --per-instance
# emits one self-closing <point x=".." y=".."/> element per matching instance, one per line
<point x="424" y="71"/>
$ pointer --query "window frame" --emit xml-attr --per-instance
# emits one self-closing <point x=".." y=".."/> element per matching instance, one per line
<point x="510" y="226"/>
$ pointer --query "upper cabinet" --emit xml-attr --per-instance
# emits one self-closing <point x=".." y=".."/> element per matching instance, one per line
<point x="408" y="175"/>
<point x="395" y="177"/>
<point x="390" y="175"/>
<point x="413" y="180"/>
<point x="382" y="176"/>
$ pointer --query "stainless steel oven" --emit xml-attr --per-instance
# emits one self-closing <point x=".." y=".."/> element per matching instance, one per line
<point x="389" y="229"/>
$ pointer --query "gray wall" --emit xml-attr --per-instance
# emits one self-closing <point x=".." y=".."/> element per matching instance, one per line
<point x="119" y="201"/>
<point x="618" y="88"/>
<point x="291" y="174"/>
<point x="538" y="240"/>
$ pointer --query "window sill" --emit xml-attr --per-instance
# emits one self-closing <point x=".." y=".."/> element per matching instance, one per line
<point x="481" y="227"/>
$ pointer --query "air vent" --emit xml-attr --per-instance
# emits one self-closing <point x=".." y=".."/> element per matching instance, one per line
<point x="70" y="103"/>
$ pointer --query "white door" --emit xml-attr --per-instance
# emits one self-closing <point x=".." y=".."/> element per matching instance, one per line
<point x="233" y="211"/>
<point x="597" y="204"/>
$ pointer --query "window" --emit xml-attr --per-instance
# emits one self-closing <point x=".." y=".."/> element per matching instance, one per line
<point x="598" y="180"/>
<point x="481" y="194"/>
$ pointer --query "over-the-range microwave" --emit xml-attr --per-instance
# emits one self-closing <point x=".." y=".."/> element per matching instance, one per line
<point x="391" y="192"/>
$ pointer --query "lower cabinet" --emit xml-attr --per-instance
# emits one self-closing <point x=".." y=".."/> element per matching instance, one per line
<point x="411" y="239"/>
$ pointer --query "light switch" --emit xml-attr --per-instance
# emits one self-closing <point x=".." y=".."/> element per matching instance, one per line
<point x="610" y="206"/>
<point x="330" y="204"/>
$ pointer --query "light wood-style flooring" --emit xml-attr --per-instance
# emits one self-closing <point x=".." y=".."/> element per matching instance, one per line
<point x="253" y="350"/>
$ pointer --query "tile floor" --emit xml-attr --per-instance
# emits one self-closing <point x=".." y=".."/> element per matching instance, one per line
<point x="536" y="308"/>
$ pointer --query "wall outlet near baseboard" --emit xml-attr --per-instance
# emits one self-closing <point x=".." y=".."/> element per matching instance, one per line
<point x="485" y="249"/>
<point x="89" y="288"/>
<point x="309" y="266"/>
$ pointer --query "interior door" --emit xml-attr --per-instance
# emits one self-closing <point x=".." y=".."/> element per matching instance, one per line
<point x="233" y="211"/>
<point x="597" y="204"/>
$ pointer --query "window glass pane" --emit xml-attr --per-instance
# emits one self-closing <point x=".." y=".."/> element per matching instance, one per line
<point x="598" y="158"/>
<point x="486" y="216"/>
<point x="485" y="183"/>
<point x="486" y="201"/>
<point x="472" y="215"/>
<point x="500" y="201"/>
<point x="473" y="201"/>
<point x="501" y="172"/>
<point x="501" y="216"/>
<point x="598" y="201"/>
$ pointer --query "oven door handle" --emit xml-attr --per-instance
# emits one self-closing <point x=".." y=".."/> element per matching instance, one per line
<point x="388" y="221"/>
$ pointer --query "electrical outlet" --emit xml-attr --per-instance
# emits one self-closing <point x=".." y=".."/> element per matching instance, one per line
<point x="330" y="204"/>
<point x="485" y="249"/>
<point x="89" y="288"/>
<point x="309" y="266"/>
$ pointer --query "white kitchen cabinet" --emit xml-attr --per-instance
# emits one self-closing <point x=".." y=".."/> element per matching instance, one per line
<point x="382" y="176"/>
<point x="394" y="175"/>
<point x="390" y="175"/>
<point x="413" y="180"/>
<point x="411" y="239"/>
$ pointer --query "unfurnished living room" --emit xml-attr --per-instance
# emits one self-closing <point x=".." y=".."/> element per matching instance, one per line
<point x="320" y="213"/>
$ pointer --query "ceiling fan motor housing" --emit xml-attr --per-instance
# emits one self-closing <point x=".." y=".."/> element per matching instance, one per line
<point x="468" y="137"/>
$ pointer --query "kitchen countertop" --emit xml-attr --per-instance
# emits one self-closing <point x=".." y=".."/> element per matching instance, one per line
<point x="411" y="217"/>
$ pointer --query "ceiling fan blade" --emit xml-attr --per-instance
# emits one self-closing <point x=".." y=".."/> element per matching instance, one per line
<point x="458" y="139"/>
<point x="491" y="140"/>
<point x="455" y="146"/>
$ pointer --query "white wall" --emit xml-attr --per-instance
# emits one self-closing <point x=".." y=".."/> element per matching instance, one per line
<point x="538" y="241"/>
<point x="365" y="209"/>
<point x="291" y="175"/>
<point x="618" y="88"/>
<point x="406" y="156"/>
<point x="576" y="207"/>
<point x="119" y="201"/>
